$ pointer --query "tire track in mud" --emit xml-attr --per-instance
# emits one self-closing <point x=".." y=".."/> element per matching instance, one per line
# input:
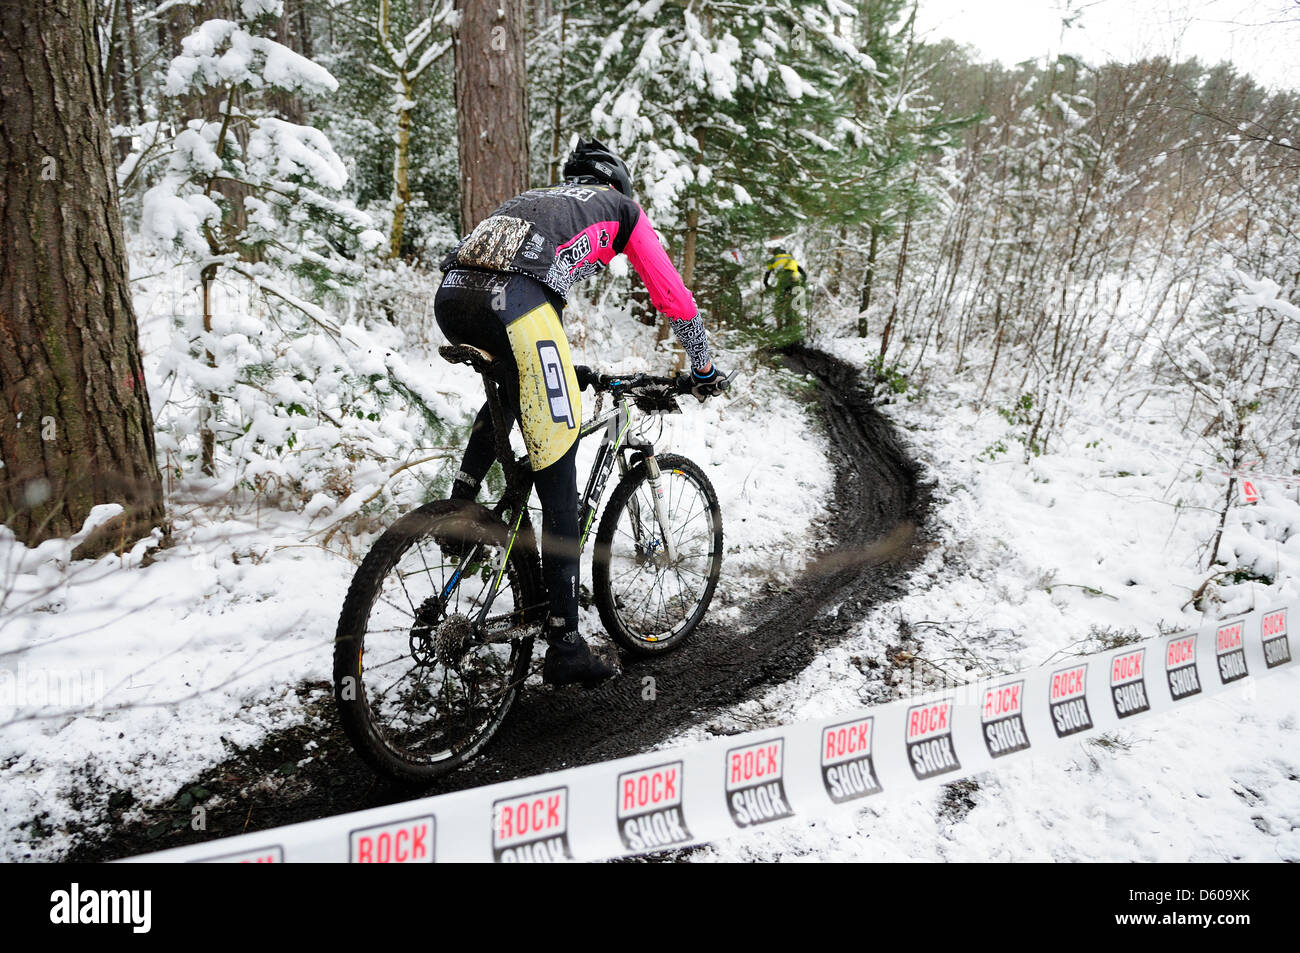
<point x="875" y="533"/>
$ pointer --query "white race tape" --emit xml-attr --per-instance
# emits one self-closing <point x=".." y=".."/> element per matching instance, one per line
<point x="708" y="791"/>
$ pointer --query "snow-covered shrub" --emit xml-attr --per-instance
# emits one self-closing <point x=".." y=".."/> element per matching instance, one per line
<point x="265" y="385"/>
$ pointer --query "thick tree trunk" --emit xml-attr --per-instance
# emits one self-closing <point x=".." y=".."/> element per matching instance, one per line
<point x="76" y="429"/>
<point x="491" y="106"/>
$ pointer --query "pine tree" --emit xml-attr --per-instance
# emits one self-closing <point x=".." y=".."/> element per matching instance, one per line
<point x="76" y="429"/>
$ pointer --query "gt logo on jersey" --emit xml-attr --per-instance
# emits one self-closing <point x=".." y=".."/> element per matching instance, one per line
<point x="557" y="394"/>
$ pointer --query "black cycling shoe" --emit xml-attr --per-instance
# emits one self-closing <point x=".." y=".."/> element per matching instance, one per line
<point x="569" y="660"/>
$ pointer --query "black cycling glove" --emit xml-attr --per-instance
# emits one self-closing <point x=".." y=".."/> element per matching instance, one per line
<point x="586" y="376"/>
<point x="704" y="386"/>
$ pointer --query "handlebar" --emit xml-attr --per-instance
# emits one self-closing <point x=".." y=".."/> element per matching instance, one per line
<point x="643" y="384"/>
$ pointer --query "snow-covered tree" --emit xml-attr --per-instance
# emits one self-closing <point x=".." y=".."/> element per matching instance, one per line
<point x="246" y="188"/>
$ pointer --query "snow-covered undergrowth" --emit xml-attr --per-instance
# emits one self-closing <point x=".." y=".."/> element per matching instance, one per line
<point x="121" y="677"/>
<point x="1095" y="541"/>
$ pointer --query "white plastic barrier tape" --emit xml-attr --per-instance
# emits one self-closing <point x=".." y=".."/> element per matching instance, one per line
<point x="708" y="791"/>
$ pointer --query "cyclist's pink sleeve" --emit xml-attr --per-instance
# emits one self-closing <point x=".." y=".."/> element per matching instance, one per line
<point x="667" y="293"/>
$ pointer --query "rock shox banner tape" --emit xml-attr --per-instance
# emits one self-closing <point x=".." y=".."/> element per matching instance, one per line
<point x="707" y="791"/>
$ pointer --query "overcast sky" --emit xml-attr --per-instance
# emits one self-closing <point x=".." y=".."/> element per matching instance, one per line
<point x="1261" y="37"/>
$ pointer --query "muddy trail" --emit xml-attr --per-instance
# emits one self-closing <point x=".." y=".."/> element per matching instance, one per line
<point x="874" y="537"/>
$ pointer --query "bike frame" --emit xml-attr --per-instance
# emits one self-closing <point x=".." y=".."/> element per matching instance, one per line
<point x="617" y="446"/>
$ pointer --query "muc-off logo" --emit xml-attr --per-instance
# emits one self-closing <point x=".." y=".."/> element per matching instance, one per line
<point x="570" y="256"/>
<point x="1128" y="686"/>
<point x="531" y="827"/>
<point x="1068" y="700"/>
<point x="929" y="739"/>
<point x="1002" y="719"/>
<point x="1230" y="651"/>
<point x="399" y="842"/>
<point x="847" y="770"/>
<point x="755" y="791"/>
<point x="650" y="808"/>
<point x="557" y="390"/>
<point x="1180" y="667"/>
<point x="1272" y="629"/>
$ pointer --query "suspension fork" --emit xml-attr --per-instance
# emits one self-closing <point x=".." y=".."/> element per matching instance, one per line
<point x="661" y="508"/>
<point x="645" y="451"/>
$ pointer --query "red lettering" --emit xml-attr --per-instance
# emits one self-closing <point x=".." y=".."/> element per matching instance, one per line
<point x="418" y="846"/>
<point x="1229" y="637"/>
<point x="651" y="787"/>
<point x="754" y="763"/>
<point x="1180" y="651"/>
<point x="848" y="740"/>
<point x="553" y="811"/>
<point x="927" y="720"/>
<point x="1065" y="684"/>
<point x="1274" y="623"/>
<point x="507" y="822"/>
<point x="364" y="850"/>
<point x="1001" y="701"/>
<point x="1126" y="667"/>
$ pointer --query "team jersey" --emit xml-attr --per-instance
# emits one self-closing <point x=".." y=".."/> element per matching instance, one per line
<point x="565" y="233"/>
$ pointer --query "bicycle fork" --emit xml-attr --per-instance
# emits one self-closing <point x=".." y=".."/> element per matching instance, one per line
<point x="661" y="509"/>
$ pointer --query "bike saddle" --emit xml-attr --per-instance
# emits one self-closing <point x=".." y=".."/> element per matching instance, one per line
<point x="475" y="357"/>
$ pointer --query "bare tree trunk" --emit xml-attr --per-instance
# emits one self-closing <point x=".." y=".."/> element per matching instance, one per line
<point x="491" y="106"/>
<point x="559" y="86"/>
<point x="688" y="247"/>
<point x="76" y="429"/>
<point x="898" y="279"/>
<point x="401" y="173"/>
<point x="208" y="410"/>
<point x="868" y="277"/>
<point x="133" y="45"/>
<point x="121" y="101"/>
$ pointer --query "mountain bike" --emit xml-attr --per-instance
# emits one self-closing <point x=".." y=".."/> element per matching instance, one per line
<point x="436" y="635"/>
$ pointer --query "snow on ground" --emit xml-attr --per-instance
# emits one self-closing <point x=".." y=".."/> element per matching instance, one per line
<point x="1094" y="540"/>
<point x="116" y="676"/>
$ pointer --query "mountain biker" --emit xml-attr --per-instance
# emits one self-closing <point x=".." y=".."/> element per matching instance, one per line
<point x="503" y="290"/>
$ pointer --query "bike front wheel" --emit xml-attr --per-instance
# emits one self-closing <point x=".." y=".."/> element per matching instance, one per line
<point x="419" y="688"/>
<point x="648" y="600"/>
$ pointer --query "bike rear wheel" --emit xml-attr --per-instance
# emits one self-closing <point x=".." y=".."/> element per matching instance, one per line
<point x="648" y="603"/>
<point x="419" y="692"/>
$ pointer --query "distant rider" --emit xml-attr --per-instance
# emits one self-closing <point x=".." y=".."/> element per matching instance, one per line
<point x="789" y="276"/>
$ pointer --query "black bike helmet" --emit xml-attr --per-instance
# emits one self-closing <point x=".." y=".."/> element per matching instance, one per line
<point x="591" y="160"/>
